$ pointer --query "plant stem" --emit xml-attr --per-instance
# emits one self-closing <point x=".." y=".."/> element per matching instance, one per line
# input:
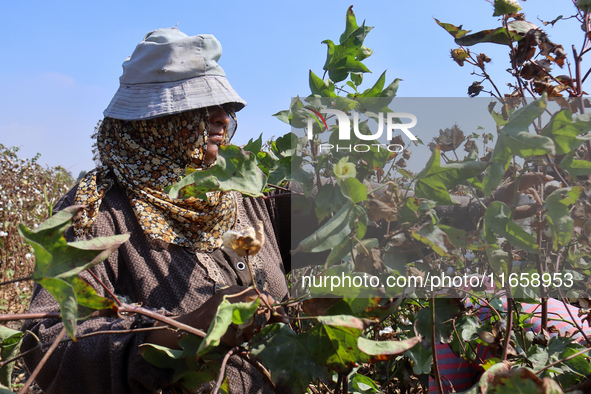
<point x="109" y="332"/>
<point x="163" y="319"/>
<point x="564" y="359"/>
<point x="105" y="287"/>
<point x="16" y="280"/>
<point x="46" y="356"/>
<point x="434" y="347"/>
<point x="260" y="368"/>
<point x="508" y="329"/>
<point x="218" y="384"/>
<point x="339" y="379"/>
<point x="273" y="313"/>
<point x="572" y="318"/>
<point x="312" y="389"/>
<point x="27" y="316"/>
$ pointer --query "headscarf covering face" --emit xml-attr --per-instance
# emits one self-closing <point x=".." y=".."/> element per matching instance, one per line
<point x="146" y="156"/>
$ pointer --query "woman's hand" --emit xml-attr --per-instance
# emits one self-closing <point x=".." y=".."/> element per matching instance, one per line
<point x="202" y="317"/>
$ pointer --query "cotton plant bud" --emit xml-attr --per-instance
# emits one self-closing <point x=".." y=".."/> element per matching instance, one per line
<point x="246" y="242"/>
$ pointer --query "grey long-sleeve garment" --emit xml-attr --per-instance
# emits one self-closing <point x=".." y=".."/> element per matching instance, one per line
<point x="159" y="276"/>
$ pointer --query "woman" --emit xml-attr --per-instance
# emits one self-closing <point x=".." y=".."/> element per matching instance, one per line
<point x="173" y="109"/>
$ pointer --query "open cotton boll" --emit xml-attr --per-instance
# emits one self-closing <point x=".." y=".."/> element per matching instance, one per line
<point x="386" y="330"/>
<point x="246" y="242"/>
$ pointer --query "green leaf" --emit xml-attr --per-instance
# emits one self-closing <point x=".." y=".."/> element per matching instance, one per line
<point x="336" y="347"/>
<point x="434" y="181"/>
<point x="59" y="262"/>
<point x="517" y="381"/>
<point x="64" y="294"/>
<point x="350" y="25"/>
<point x="346" y="65"/>
<point x="391" y="90"/>
<point x="283" y="115"/>
<point x="434" y="237"/>
<point x="321" y="88"/>
<point x="346" y="58"/>
<point x="503" y="7"/>
<point x="280" y="163"/>
<point x="329" y="199"/>
<point x="227" y="313"/>
<point x="86" y="296"/>
<point x="345" y="321"/>
<point x="433" y="188"/>
<point x="538" y="356"/>
<point x="574" y="166"/>
<point x="287" y="115"/>
<point x="354" y="190"/>
<point x="463" y="239"/>
<point x="183" y="362"/>
<point x="517" y="30"/>
<point x="235" y="170"/>
<point x="345" y="104"/>
<point x="287" y="145"/>
<point x="254" y="146"/>
<point x="57" y="258"/>
<point x="515" y="140"/>
<point x="557" y="211"/>
<point x="488" y="376"/>
<point x="163" y="357"/>
<point x="358" y="220"/>
<point x="580" y="364"/>
<point x="445" y="309"/>
<point x="288" y="357"/>
<point x="565" y="133"/>
<point x="362" y="384"/>
<point x="497" y="220"/>
<point x="455" y="31"/>
<point x="467" y="327"/>
<point x="410" y="211"/>
<point x="422" y="358"/>
<point x="338" y="253"/>
<point x="330" y="234"/>
<point x="376" y="89"/>
<point x="5" y="390"/>
<point x="207" y="372"/>
<point x="386" y="348"/>
<point x="10" y="344"/>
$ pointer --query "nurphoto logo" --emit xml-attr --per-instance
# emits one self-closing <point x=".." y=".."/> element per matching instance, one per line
<point x="392" y="120"/>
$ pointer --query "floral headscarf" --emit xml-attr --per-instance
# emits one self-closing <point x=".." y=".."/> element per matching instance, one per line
<point x="145" y="156"/>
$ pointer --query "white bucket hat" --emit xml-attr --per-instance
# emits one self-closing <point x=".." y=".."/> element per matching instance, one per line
<point x="170" y="72"/>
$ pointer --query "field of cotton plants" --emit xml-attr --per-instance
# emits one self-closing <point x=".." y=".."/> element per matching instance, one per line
<point x="28" y="190"/>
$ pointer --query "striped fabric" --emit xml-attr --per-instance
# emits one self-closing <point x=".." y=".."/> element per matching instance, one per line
<point x="459" y="375"/>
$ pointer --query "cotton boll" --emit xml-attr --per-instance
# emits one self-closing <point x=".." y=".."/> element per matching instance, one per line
<point x="246" y="242"/>
<point x="524" y="199"/>
<point x="386" y="330"/>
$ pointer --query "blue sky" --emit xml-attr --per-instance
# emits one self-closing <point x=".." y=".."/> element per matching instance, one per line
<point x="62" y="59"/>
